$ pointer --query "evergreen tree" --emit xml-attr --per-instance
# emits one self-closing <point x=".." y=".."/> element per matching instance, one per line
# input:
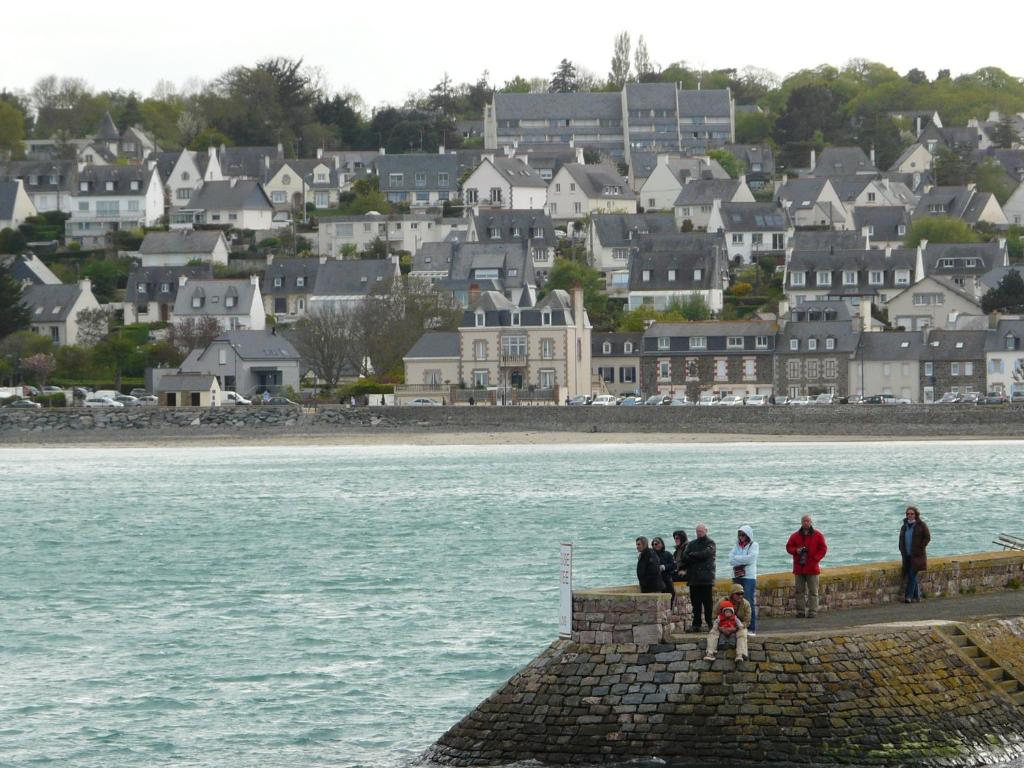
<point x="1006" y="297"/>
<point x="951" y="168"/>
<point x="14" y="316"/>
<point x="1002" y="134"/>
<point x="565" y="79"/>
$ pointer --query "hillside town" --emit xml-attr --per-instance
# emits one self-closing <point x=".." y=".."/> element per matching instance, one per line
<point x="669" y="237"/>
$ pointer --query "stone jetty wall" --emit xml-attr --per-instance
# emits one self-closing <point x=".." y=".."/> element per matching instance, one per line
<point x="884" y="696"/>
<point x="881" y="421"/>
<point x="623" y="614"/>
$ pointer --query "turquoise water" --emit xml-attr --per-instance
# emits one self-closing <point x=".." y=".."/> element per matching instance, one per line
<point x="343" y="606"/>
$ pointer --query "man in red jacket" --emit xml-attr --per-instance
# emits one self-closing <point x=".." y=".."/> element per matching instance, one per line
<point x="808" y="548"/>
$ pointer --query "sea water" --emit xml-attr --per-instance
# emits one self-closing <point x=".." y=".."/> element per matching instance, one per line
<point x="343" y="606"/>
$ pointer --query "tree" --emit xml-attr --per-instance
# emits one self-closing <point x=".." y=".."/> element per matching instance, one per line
<point x="729" y="163"/>
<point x="193" y="333"/>
<point x="12" y="131"/>
<point x="753" y="128"/>
<point x="1002" y="133"/>
<point x="642" y="62"/>
<point x="568" y="273"/>
<point x="19" y="345"/>
<point x="442" y="97"/>
<point x="14" y="316"/>
<point x="940" y="229"/>
<point x="517" y="85"/>
<point x="951" y="168"/>
<point x="93" y="326"/>
<point x="1007" y="297"/>
<point x="115" y="352"/>
<point x="39" y="367"/>
<point x="12" y="241"/>
<point x="812" y="115"/>
<point x="620" y="72"/>
<point x="693" y="308"/>
<point x="990" y="177"/>
<point x="916" y="76"/>
<point x="565" y="78"/>
<point x="324" y="340"/>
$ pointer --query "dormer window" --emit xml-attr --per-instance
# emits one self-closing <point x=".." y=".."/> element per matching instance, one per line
<point x="812" y="345"/>
<point x="797" y="279"/>
<point x="515" y="318"/>
<point x="545" y="317"/>
<point x="849" y="277"/>
<point x="830" y="343"/>
<point x="300" y="282"/>
<point x="134" y="186"/>
<point x="198" y="299"/>
<point x="823" y="278"/>
<point x="165" y="287"/>
<point x="901" y="230"/>
<point x="1011" y="341"/>
<point x="606" y="348"/>
<point x="663" y="342"/>
<point x="902" y="277"/>
<point x="142" y="288"/>
<point x="645" y="275"/>
<point x="794" y="345"/>
<point x="734" y="342"/>
<point x="278" y="282"/>
<point x="875" y="277"/>
<point x="698" y="275"/>
<point x="230" y="301"/>
<point x="671" y="275"/>
<point x="627" y="348"/>
<point x="83" y="186"/>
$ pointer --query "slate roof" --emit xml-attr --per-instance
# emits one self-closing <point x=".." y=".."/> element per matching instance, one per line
<point x="850" y="187"/>
<point x="684" y="253"/>
<point x="50" y="303"/>
<point x="617" y="340"/>
<point x="250" y="162"/>
<point x="357" y="277"/>
<point x="625" y="229"/>
<point x="243" y="194"/>
<point x="305" y="168"/>
<point x="943" y="345"/>
<point x="469" y="257"/>
<point x="890" y="345"/>
<point x="29" y="267"/>
<point x="63" y="173"/>
<point x="433" y="257"/>
<point x="199" y="242"/>
<point x="259" y="345"/>
<point x="803" y="193"/>
<point x="886" y="221"/>
<point x="754" y="217"/>
<point x="842" y="331"/>
<point x="154" y="277"/>
<point x="651" y="96"/>
<point x="823" y="240"/>
<point x="749" y="154"/>
<point x="165" y="162"/>
<point x="498" y="310"/>
<point x="505" y="221"/>
<point x="1011" y="160"/>
<point x="431" y="164"/>
<point x="107" y="131"/>
<point x="544" y="106"/>
<point x="996" y="341"/>
<point x="8" y="197"/>
<point x="182" y="382"/>
<point x="861" y="260"/>
<point x="705" y="103"/>
<point x="987" y="257"/>
<point x="518" y="173"/>
<point x="594" y="179"/>
<point x="214" y="293"/>
<point x="695" y="168"/>
<point x="289" y="270"/>
<point x="97" y="176"/>
<point x="435" y="344"/>
<point x="706" y="191"/>
<point x="843" y="161"/>
<point x="713" y="328"/>
<point x="835" y="310"/>
<point x="992" y="278"/>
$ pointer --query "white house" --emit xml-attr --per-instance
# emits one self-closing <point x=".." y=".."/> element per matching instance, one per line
<point x="53" y="309"/>
<point x="812" y="202"/>
<point x="180" y="247"/>
<point x="110" y="198"/>
<point x="933" y="302"/>
<point x="915" y="159"/>
<point x="676" y="268"/>
<point x="294" y="183"/>
<point x="15" y="204"/>
<point x="402" y="232"/>
<point x="751" y="230"/>
<point x="577" y="191"/>
<point x="190" y="170"/>
<point x="239" y="203"/>
<point x="1004" y="357"/>
<point x="696" y="199"/>
<point x="503" y="182"/>
<point x="661" y="188"/>
<point x="235" y="304"/>
<point x="47" y="182"/>
<point x="344" y="284"/>
<point x="1013" y="208"/>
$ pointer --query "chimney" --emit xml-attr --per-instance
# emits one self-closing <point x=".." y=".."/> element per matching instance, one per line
<point x="865" y="315"/>
<point x="917" y="122"/>
<point x="663" y="160"/>
<point x="888" y="252"/>
<point x="886" y="184"/>
<point x="182" y="279"/>
<point x="871" y="154"/>
<point x="814" y="160"/>
<point x="320" y="153"/>
<point x="270" y="259"/>
<point x="578" y="311"/>
<point x="85" y="284"/>
<point x="525" y="159"/>
<point x="742" y="179"/>
<point x="579" y="155"/>
<point x="474" y="293"/>
<point x="382" y="151"/>
<point x="280" y="150"/>
<point x="323" y="259"/>
<point x="266" y="162"/>
<point x="254" y="280"/>
<point x="866" y="232"/>
<point x="785" y="178"/>
<point x="440" y="149"/>
<point x="222" y="148"/>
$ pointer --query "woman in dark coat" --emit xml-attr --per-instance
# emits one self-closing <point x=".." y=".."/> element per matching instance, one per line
<point x="648" y="567"/>
<point x="680" y="539"/>
<point x="668" y="566"/>
<point x="914" y="540"/>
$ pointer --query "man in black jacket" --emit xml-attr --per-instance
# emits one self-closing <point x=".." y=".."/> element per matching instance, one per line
<point x="699" y="560"/>
<point x="648" y="567"/>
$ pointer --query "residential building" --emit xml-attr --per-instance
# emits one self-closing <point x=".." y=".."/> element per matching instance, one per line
<point x="235" y="304"/>
<point x="532" y="227"/>
<point x="546" y="159"/>
<point x="663" y="184"/>
<point x="505" y="268"/>
<point x="616" y="361"/>
<point x="293" y="183"/>
<point x="250" y="163"/>
<point x="237" y="203"/>
<point x="1013" y="208"/>
<point x="812" y="202"/>
<point x="53" y="309"/>
<point x="47" y="182"/>
<point x="696" y="200"/>
<point x="965" y="203"/>
<point x="420" y="180"/>
<point x="433" y="364"/>
<point x="152" y="291"/>
<point x="503" y="182"/>
<point x="432" y="262"/>
<point x="345" y="284"/>
<point x="865" y="191"/>
<point x="406" y="232"/>
<point x="885" y="226"/>
<point x="248" y="362"/>
<point x="28" y="269"/>
<point x="724" y="358"/>
<point x="751" y="230"/>
<point x="578" y="191"/>
<point x="888" y="363"/>
<point x="676" y="268"/>
<point x="186" y="171"/>
<point x="177" y="248"/>
<point x="915" y="159"/>
<point x="829" y="240"/>
<point x="111" y="198"/>
<point x="287" y="286"/>
<point x="756" y="161"/>
<point x="508" y="347"/>
<point x="814" y="349"/>
<point x="965" y="264"/>
<point x="15" y="204"/>
<point x="1004" y="357"/>
<point x="952" y="361"/>
<point x="842" y="161"/>
<point x="196" y="390"/>
<point x="917" y="120"/>
<point x="612" y="239"/>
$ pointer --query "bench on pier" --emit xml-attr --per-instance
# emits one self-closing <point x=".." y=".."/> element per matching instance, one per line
<point x="1006" y="541"/>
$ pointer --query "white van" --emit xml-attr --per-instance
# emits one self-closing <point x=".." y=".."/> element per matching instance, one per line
<point x="605" y="400"/>
<point x="233" y="398"/>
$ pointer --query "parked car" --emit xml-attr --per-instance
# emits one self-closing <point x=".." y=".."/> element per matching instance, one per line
<point x="708" y="399"/>
<point x="28" y="404"/>
<point x="800" y="400"/>
<point x="102" y="401"/>
<point x="658" y="400"/>
<point x="149" y="400"/>
<point x="825" y="398"/>
<point x="681" y="400"/>
<point x="757" y="400"/>
<point x="971" y="398"/>
<point x="138" y="392"/>
<point x="782" y="399"/>
<point x="578" y="400"/>
<point x="854" y="399"/>
<point x="126" y="399"/>
<point x="80" y="393"/>
<point x="604" y="400"/>
<point x="993" y="398"/>
<point x="631" y="401"/>
<point x="419" y="401"/>
<point x="233" y="398"/>
<point x="30" y="391"/>
<point x="1017" y="397"/>
<point x="731" y="400"/>
<point x="948" y="399"/>
<point x="49" y="389"/>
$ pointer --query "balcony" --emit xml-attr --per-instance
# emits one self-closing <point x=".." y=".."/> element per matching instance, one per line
<point x="512" y="360"/>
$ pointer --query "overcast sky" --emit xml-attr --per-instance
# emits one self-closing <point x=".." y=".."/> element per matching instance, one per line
<point x="384" y="51"/>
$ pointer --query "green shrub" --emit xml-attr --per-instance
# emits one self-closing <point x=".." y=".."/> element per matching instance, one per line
<point x="1013" y="583"/>
<point x="56" y="400"/>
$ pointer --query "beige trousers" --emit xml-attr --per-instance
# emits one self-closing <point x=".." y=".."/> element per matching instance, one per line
<point x="806" y="593"/>
<point x="741" y="641"/>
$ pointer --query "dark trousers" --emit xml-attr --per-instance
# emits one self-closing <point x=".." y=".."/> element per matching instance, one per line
<point x="700" y="599"/>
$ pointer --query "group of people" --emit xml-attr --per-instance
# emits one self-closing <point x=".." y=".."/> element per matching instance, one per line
<point x="693" y="562"/>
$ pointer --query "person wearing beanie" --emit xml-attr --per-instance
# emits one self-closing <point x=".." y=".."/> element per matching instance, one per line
<point x="732" y="617"/>
<point x="679" y="537"/>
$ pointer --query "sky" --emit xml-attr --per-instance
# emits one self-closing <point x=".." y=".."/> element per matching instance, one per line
<point x="384" y="51"/>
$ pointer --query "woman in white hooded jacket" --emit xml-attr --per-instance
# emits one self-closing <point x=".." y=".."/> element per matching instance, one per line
<point x="743" y="560"/>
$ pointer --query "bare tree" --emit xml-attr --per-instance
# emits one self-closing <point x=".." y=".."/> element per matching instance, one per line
<point x="93" y="326"/>
<point x="324" y="340"/>
<point x="39" y="366"/>
<point x="193" y="333"/>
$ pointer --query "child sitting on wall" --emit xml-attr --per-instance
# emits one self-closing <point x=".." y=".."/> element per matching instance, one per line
<point x="729" y="622"/>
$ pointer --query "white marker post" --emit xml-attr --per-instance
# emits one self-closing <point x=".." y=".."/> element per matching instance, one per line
<point x="565" y="591"/>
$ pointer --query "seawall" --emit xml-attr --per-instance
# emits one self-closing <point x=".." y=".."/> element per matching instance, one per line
<point x="853" y="421"/>
<point x="916" y="693"/>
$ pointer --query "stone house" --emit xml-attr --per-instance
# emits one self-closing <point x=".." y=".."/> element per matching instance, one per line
<point x="198" y="390"/>
<point x="616" y="360"/>
<point x="814" y="349"/>
<point x="726" y="358"/>
<point x="934" y="302"/>
<point x="952" y="361"/>
<point x="578" y="191"/>
<point x="151" y="291"/>
<point x="53" y="309"/>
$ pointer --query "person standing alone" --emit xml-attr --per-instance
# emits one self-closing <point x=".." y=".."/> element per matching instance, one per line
<point x="807" y="547"/>
<point x="914" y="540"/>
<point x="699" y="561"/>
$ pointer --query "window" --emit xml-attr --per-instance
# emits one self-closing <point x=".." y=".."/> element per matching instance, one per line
<point x="109" y="186"/>
<point x="954" y="369"/>
<point x="886" y="370"/>
<point x="513" y="346"/>
<point x="824" y="278"/>
<point x="672" y="275"/>
<point x="901" y="230"/>
<point x="300" y="282"/>
<point x="396" y="179"/>
<point x="472" y="196"/>
<point x="143" y="287"/>
<point x="514" y="318"/>
<point x="552" y="206"/>
<point x="230" y="301"/>
<point x="812" y="345"/>
<point x="698" y="342"/>
<point x="55" y="334"/>
<point x="830" y="368"/>
<point x="277" y="197"/>
<point x="495" y="194"/>
<point x="871" y="197"/>
<point x="442" y="179"/>
<point x="761" y="342"/>
<point x="547" y="378"/>
<point x="627" y="374"/>
<point x="721" y="369"/>
<point x="830" y="343"/>
<point x="664" y="370"/>
<point x="165" y="287"/>
<point x="663" y="342"/>
<point x="222" y="356"/>
<point x="797" y="279"/>
<point x="968" y="369"/>
<point x="481" y="319"/>
<point x="902" y="277"/>
<point x="545" y="317"/>
<point x="849" y="277"/>
<point x="184" y="193"/>
<point x="421" y="179"/>
<point x="547" y="349"/>
<point x="737" y="238"/>
<point x="480" y="379"/>
<point x="995" y="365"/>
<point x="577" y="207"/>
<point x="572" y="187"/>
<point x="134" y="186"/>
<point x="875" y="277"/>
<point x="794" y="345"/>
<point x="812" y="368"/>
<point x="479" y="349"/>
<point x="734" y="342"/>
<point x="197" y="301"/>
<point x="697" y="274"/>
<point x="558" y="187"/>
<point x="278" y="282"/>
<point x="627" y="348"/>
<point x="749" y="369"/>
<point x="645" y="275"/>
<point x="793" y="369"/>
<point x="83" y="206"/>
<point x="606" y="348"/>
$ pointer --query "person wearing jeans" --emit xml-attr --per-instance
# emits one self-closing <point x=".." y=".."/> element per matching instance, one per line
<point x="807" y="547"/>
<point x="743" y="560"/>
<point x="914" y="540"/>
